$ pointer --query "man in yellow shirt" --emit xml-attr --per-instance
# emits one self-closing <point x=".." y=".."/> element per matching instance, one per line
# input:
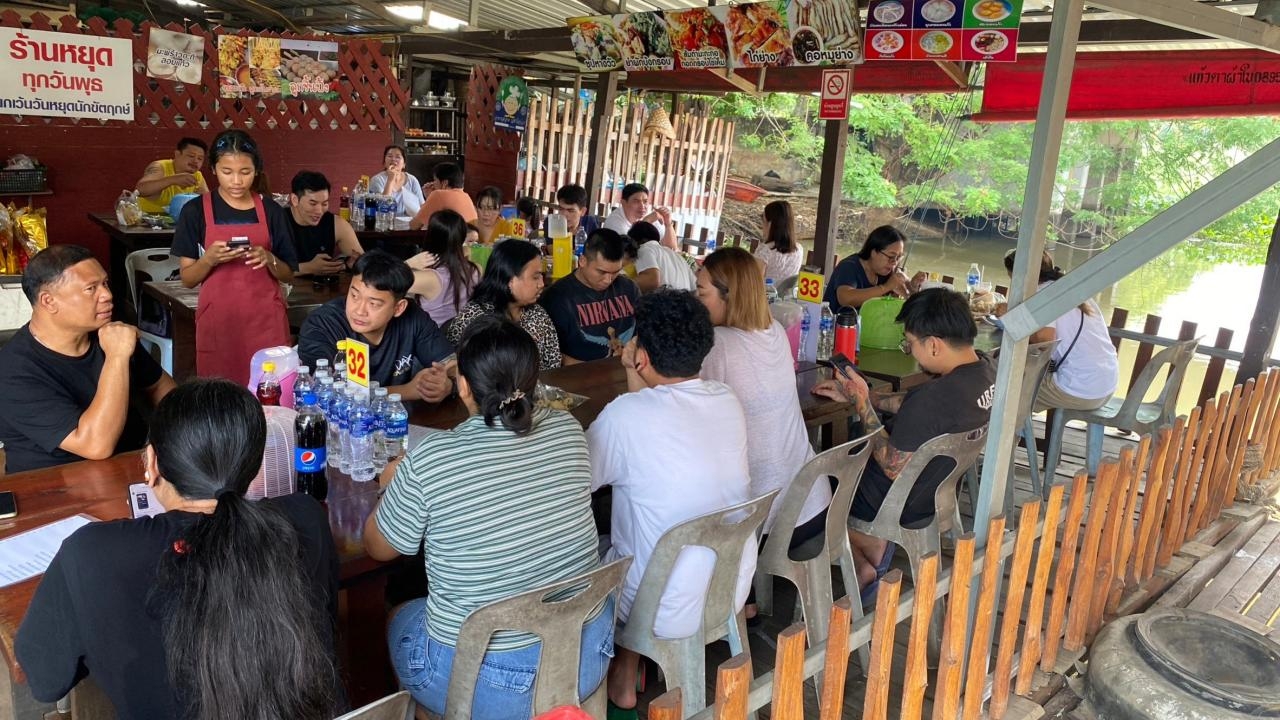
<point x="165" y="178"/>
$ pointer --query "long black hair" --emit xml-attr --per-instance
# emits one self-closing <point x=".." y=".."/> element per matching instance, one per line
<point x="241" y="639"/>
<point x="447" y="231"/>
<point x="506" y="263"/>
<point x="234" y="142"/>
<point x="782" y="226"/>
<point x="879" y="239"/>
<point x="500" y="362"/>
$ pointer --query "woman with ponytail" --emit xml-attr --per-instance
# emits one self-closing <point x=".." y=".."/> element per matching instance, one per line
<point x="216" y="608"/>
<point x="501" y="505"/>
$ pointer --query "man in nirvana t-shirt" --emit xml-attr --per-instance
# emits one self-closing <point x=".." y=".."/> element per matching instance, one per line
<point x="593" y="309"/>
<point x="74" y="381"/>
<point x="939" y="333"/>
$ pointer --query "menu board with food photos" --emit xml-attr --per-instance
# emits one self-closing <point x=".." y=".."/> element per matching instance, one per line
<point x="778" y="33"/>
<point x="968" y="30"/>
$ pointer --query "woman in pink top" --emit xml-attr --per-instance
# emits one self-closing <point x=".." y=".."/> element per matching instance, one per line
<point x="443" y="283"/>
<point x="447" y="194"/>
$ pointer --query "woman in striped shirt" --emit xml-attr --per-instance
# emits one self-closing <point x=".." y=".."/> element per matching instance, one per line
<point x="501" y="505"/>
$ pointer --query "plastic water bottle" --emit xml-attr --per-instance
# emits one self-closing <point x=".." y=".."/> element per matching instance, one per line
<point x="302" y="384"/>
<point x="395" y="439"/>
<point x="826" y="332"/>
<point x="770" y="292"/>
<point x="379" y="427"/>
<point x="975" y="277"/>
<point x="711" y="244"/>
<point x="361" y="439"/>
<point x="322" y="368"/>
<point x="337" y="417"/>
<point x="324" y="393"/>
<point x="804" y="335"/>
<point x="340" y="360"/>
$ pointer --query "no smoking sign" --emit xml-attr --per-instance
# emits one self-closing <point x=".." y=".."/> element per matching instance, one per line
<point x="836" y="85"/>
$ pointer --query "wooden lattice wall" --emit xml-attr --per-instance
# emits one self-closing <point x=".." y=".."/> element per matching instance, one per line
<point x="491" y="152"/>
<point x="369" y="94"/>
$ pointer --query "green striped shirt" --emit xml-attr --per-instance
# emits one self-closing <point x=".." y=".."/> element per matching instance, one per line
<point x="501" y="514"/>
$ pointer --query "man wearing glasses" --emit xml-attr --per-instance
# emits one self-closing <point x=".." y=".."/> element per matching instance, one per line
<point x="939" y="334"/>
<point x="875" y="271"/>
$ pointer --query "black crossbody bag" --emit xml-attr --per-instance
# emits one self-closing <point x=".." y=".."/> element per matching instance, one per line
<point x="1055" y="364"/>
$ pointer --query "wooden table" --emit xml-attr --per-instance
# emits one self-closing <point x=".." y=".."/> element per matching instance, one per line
<point x="125" y="240"/>
<point x="902" y="371"/>
<point x="180" y="303"/>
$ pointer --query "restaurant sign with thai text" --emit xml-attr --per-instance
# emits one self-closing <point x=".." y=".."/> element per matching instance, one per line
<point x="58" y="74"/>
<point x="778" y="33"/>
<point x="955" y="30"/>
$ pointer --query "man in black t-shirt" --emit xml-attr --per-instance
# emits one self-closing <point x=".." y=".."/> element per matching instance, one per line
<point x="73" y="380"/>
<point x="405" y="345"/>
<point x="939" y="333"/>
<point x="594" y="308"/>
<point x="319" y="236"/>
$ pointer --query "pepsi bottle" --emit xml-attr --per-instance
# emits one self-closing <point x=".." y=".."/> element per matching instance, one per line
<point x="310" y="430"/>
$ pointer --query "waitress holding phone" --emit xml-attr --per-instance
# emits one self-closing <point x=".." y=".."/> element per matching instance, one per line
<point x="239" y="247"/>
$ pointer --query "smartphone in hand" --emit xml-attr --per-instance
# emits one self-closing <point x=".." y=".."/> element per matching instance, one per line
<point x="841" y="364"/>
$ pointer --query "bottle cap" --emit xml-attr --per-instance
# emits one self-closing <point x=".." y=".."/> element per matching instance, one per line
<point x="342" y="344"/>
<point x="268" y="367"/>
<point x="394" y="397"/>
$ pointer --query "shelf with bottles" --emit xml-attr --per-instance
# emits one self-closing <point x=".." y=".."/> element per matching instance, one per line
<point x="438" y="141"/>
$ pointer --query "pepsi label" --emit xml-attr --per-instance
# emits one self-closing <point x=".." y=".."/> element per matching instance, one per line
<point x="309" y="460"/>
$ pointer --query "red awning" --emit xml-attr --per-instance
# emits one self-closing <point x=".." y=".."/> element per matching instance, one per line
<point x="1141" y="85"/>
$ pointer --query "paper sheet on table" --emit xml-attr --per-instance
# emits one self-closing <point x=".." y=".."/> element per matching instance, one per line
<point x="28" y="554"/>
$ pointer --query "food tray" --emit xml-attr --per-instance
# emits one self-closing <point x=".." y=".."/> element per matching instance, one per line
<point x="23" y="181"/>
<point x="554" y="398"/>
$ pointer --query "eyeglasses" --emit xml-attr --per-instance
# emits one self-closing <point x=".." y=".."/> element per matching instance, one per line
<point x="905" y="345"/>
<point x="893" y="258"/>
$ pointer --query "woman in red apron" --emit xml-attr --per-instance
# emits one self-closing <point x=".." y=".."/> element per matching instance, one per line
<point x="239" y="250"/>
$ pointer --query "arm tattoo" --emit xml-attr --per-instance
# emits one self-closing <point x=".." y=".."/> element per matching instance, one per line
<point x="891" y="459"/>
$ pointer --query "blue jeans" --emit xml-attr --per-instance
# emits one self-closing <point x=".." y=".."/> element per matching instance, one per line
<point x="504" y="689"/>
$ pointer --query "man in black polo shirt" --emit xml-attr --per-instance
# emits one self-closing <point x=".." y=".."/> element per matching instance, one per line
<point x="319" y="236"/>
<point x="593" y="309"/>
<point x="405" y="345"/>
<point x="75" y="383"/>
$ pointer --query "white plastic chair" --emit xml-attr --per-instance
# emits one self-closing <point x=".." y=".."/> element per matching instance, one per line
<point x="1131" y="413"/>
<point x="392" y="707"/>
<point x="812" y="576"/>
<point x="557" y="623"/>
<point x="156" y="264"/>
<point x="683" y="660"/>
<point x="15" y="310"/>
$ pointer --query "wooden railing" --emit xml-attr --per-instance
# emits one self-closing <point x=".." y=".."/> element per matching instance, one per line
<point x="1075" y="560"/>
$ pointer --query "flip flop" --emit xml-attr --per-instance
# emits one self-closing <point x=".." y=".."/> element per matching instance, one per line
<point x="616" y="713"/>
<point x="868" y="594"/>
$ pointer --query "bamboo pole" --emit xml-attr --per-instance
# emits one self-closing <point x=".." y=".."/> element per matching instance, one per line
<point x="1175" y="515"/>
<point x="1032" y="642"/>
<point x="836" y="667"/>
<point x="946" y="701"/>
<point x="1154" y="500"/>
<point x="1086" y="577"/>
<point x="876" y="703"/>
<point x="1028" y="516"/>
<point x="980" y="641"/>
<point x="916" y="678"/>
<point x="1067" y="558"/>
<point x="733" y="685"/>
<point x="788" y="675"/>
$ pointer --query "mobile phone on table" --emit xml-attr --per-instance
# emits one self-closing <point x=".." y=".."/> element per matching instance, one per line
<point x="239" y="242"/>
<point x="8" y="505"/>
<point x="839" y="362"/>
<point x="142" y="501"/>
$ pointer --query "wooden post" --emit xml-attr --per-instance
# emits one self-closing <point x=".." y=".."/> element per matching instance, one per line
<point x="1110" y="542"/>
<point x="1032" y="642"/>
<point x="1128" y="529"/>
<point x="875" y="705"/>
<point x="668" y="706"/>
<point x="1213" y="373"/>
<point x="1175" y="514"/>
<point x="606" y="96"/>
<point x="1266" y="314"/>
<point x="1002" y="675"/>
<point x="1066" y="565"/>
<point x="733" y="685"/>
<point x="1209" y="471"/>
<point x="1082" y="591"/>
<point x="830" y="191"/>
<point x="836" y="668"/>
<point x="916" y="679"/>
<point x="980" y="642"/>
<point x="1196" y="481"/>
<point x="1145" y="349"/>
<point x="1155" y="499"/>
<point x="946" y="701"/>
<point x="788" y="675"/>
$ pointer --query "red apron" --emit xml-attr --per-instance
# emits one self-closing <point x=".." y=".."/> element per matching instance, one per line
<point x="240" y="310"/>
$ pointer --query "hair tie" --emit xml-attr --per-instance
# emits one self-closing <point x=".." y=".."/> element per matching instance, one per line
<point x="513" y="397"/>
<point x="180" y="547"/>
<point x="224" y="492"/>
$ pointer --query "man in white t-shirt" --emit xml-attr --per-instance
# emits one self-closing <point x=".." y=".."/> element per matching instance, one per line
<point x="658" y="265"/>
<point x="673" y="448"/>
<point x="636" y="207"/>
